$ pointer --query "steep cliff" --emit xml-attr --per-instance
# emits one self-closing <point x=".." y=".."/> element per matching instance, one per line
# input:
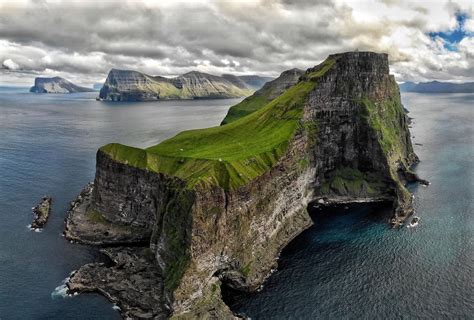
<point x="220" y="203"/>
<point x="127" y="85"/>
<point x="56" y="85"/>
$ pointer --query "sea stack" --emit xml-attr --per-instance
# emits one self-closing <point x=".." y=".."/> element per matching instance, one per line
<point x="219" y="204"/>
<point x="41" y="212"/>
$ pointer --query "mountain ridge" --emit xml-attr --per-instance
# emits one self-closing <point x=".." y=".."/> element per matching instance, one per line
<point x="131" y="85"/>
<point x="437" y="87"/>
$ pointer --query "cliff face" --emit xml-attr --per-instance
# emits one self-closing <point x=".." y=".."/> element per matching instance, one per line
<point x="220" y="203"/>
<point x="56" y="85"/>
<point x="126" y="85"/>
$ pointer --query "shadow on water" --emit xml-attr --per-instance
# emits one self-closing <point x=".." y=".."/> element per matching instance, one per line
<point x="333" y="227"/>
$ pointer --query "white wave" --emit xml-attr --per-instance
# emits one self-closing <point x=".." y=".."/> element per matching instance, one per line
<point x="116" y="307"/>
<point x="412" y="225"/>
<point x="61" y="291"/>
<point x="38" y="230"/>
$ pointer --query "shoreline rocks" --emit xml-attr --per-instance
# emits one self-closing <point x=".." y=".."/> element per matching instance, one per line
<point x="41" y="212"/>
<point x="133" y="282"/>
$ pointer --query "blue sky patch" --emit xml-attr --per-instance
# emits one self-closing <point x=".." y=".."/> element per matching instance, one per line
<point x="453" y="37"/>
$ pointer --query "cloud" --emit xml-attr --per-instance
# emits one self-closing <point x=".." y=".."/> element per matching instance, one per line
<point x="83" y="40"/>
<point x="10" y="64"/>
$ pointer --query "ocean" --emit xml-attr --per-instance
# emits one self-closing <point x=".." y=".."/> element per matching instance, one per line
<point x="349" y="265"/>
<point x="47" y="147"/>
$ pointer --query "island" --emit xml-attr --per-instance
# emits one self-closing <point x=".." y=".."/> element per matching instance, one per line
<point x="437" y="87"/>
<point x="129" y="85"/>
<point x="214" y="207"/>
<point x="56" y="85"/>
<point x="41" y="213"/>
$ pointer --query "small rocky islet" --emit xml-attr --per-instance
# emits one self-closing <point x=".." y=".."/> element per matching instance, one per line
<point x="214" y="207"/>
<point x="41" y="213"/>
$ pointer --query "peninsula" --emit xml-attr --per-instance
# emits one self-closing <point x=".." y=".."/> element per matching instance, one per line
<point x="214" y="207"/>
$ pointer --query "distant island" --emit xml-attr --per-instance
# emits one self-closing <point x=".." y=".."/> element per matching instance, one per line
<point x="129" y="85"/>
<point x="56" y="85"/>
<point x="437" y="87"/>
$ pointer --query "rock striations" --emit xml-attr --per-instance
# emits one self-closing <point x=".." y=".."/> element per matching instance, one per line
<point x="218" y="204"/>
<point x="127" y="85"/>
<point x="56" y="85"/>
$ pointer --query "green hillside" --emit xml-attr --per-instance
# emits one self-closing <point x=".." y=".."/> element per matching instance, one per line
<point x="230" y="155"/>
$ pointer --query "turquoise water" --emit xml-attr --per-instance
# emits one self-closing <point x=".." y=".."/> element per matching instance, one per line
<point x="47" y="147"/>
<point x="350" y="265"/>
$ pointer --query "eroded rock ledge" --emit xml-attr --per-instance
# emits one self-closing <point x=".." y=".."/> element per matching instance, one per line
<point x="210" y="219"/>
<point x="133" y="282"/>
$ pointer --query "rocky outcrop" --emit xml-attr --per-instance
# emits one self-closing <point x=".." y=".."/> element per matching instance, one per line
<point x="41" y="212"/>
<point x="267" y="93"/>
<point x="130" y="268"/>
<point x="84" y="224"/>
<point x="127" y="85"/>
<point x="221" y="203"/>
<point x="56" y="85"/>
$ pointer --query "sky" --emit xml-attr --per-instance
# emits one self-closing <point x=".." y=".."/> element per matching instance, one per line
<point x="82" y="40"/>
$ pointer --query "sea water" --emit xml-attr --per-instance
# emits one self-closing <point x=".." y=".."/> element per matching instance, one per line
<point x="351" y="265"/>
<point x="47" y="147"/>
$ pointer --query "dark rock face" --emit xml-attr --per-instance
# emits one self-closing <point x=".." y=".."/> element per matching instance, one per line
<point x="352" y="145"/>
<point x="41" y="212"/>
<point x="132" y="268"/>
<point x="56" y="85"/>
<point x="84" y="224"/>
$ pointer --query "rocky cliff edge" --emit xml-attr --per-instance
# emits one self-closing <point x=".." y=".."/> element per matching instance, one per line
<point x="217" y="205"/>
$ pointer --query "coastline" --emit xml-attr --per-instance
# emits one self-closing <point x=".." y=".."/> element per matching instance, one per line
<point x="131" y="258"/>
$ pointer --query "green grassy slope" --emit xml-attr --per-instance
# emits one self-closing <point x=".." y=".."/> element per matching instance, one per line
<point x="246" y="107"/>
<point x="230" y="155"/>
<point x="259" y="99"/>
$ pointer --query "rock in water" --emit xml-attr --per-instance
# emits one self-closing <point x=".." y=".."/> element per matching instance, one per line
<point x="220" y="203"/>
<point x="41" y="212"/>
<point x="56" y="85"/>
